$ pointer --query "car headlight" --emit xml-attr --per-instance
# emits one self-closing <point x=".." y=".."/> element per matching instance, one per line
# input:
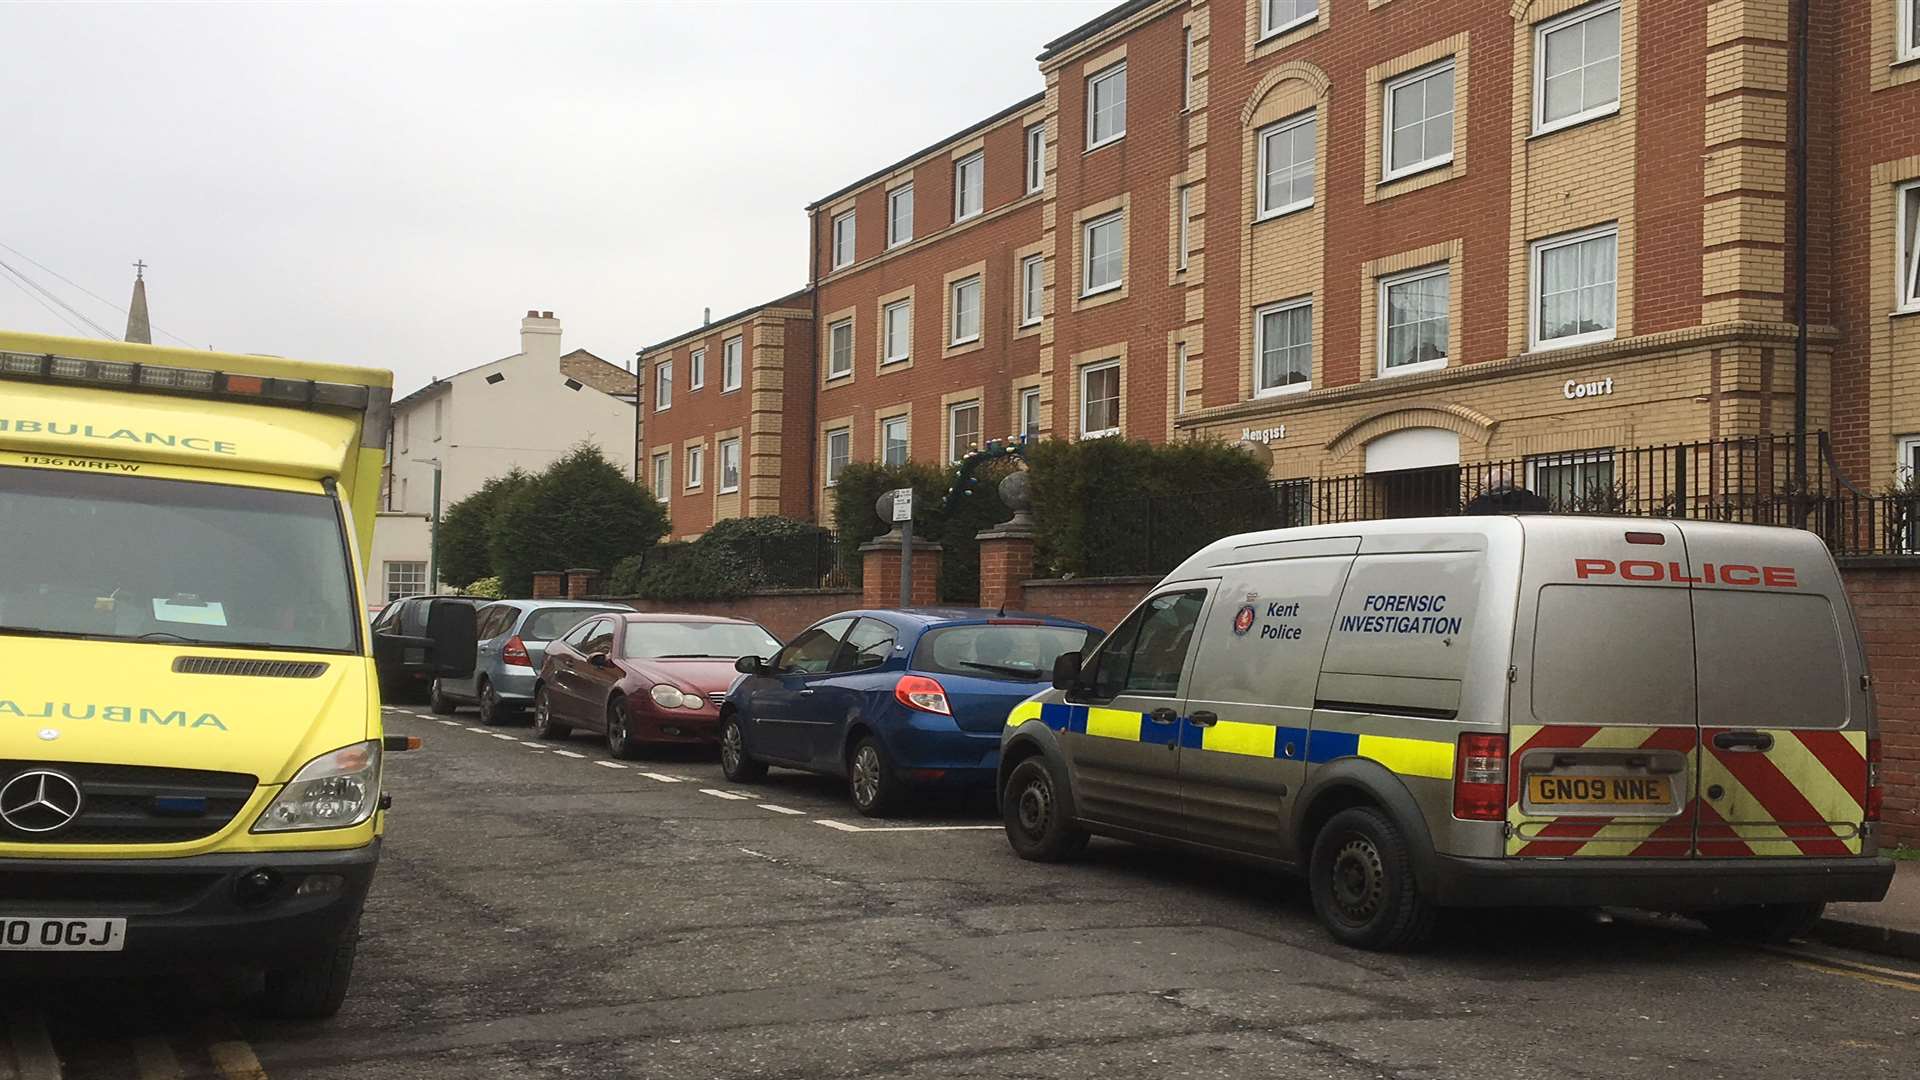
<point x="672" y="697"/>
<point x="336" y="790"/>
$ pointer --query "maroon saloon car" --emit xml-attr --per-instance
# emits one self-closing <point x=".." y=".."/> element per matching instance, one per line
<point x="643" y="678"/>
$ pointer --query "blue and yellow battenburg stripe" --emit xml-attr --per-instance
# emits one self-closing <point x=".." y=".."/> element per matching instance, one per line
<point x="1408" y="757"/>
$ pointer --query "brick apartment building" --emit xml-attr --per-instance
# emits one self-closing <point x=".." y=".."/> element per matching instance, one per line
<point x="1380" y="236"/>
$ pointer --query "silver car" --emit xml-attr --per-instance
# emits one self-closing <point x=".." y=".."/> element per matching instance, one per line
<point x="513" y="641"/>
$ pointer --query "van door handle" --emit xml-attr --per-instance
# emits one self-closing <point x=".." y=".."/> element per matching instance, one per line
<point x="1163" y="715"/>
<point x="1204" y="718"/>
<point x="1743" y="740"/>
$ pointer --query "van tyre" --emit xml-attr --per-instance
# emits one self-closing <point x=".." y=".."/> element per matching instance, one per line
<point x="439" y="702"/>
<point x="1037" y="824"/>
<point x="735" y="762"/>
<point x="871" y="779"/>
<point x="1765" y="924"/>
<point x="544" y="725"/>
<point x="1363" y="885"/>
<point x="315" y="988"/>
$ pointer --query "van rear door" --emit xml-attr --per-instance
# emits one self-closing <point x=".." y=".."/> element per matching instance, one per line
<point x="1783" y="708"/>
<point x="1604" y="744"/>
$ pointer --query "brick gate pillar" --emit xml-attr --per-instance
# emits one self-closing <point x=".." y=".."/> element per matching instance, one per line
<point x="1006" y="561"/>
<point x="549" y="584"/>
<point x="582" y="583"/>
<point x="880" y="572"/>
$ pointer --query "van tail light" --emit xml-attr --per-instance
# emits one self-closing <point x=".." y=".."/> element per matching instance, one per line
<point x="515" y="652"/>
<point x="922" y="693"/>
<point x="1480" y="778"/>
<point x="1874" y="790"/>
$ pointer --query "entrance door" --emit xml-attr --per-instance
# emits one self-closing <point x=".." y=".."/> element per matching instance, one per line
<point x="1433" y="492"/>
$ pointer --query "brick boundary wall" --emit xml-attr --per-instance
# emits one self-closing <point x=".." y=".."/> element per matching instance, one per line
<point x="1100" y="602"/>
<point x="1886" y="604"/>
<point x="786" y="612"/>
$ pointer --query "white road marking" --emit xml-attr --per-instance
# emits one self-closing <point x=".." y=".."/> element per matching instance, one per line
<point x="481" y="730"/>
<point x="424" y="715"/>
<point x="32" y="1049"/>
<point x="499" y="735"/>
<point x="780" y="809"/>
<point x="844" y="827"/>
<point x="718" y="794"/>
<point x="530" y="742"/>
<point x="611" y="765"/>
<point x="451" y="723"/>
<point x="569" y="753"/>
<point x="759" y="855"/>
<point x="661" y="777"/>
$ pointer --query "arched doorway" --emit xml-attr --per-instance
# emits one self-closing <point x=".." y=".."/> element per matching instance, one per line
<point x="1415" y="472"/>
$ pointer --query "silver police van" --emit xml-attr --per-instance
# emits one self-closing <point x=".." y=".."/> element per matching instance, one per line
<point x="1480" y="711"/>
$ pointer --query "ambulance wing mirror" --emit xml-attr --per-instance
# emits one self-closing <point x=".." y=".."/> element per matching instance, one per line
<point x="453" y="629"/>
<point x="1066" y="671"/>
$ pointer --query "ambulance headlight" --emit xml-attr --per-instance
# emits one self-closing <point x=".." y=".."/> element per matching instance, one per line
<point x="337" y="790"/>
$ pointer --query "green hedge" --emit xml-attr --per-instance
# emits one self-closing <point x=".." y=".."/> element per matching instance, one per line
<point x="951" y="520"/>
<point x="732" y="559"/>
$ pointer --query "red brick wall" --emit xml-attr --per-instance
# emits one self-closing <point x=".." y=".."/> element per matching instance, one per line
<point x="1886" y="604"/>
<point x="1670" y="134"/>
<point x="784" y="613"/>
<point x="1100" y="602"/>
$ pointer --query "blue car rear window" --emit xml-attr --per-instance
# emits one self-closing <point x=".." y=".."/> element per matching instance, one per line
<point x="1009" y="652"/>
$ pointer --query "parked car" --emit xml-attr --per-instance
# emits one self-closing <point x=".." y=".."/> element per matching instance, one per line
<point x="892" y="700"/>
<point x="643" y="678"/>
<point x="513" y="643"/>
<point x="406" y="672"/>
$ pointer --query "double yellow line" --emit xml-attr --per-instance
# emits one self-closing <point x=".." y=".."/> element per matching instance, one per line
<point x="1847" y="967"/>
<point x="29" y="1053"/>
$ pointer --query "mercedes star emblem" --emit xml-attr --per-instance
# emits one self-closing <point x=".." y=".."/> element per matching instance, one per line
<point x="40" y="801"/>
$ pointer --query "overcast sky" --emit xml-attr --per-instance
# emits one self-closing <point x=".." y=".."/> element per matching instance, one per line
<point x="395" y="185"/>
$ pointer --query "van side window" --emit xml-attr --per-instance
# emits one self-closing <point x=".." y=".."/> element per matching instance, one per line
<point x="1146" y="654"/>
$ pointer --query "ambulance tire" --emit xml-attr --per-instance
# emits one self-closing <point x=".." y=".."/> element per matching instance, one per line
<point x="1037" y="826"/>
<point x="1362" y="881"/>
<point x="316" y="988"/>
<point x="438" y="702"/>
<point x="1763" y="924"/>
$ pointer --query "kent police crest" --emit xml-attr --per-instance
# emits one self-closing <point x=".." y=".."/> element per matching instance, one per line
<point x="1243" y="620"/>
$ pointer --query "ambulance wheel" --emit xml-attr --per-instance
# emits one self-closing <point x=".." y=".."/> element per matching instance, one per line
<point x="544" y="725"/>
<point x="1767" y="924"/>
<point x="1363" y="886"/>
<point x="315" y="989"/>
<point x="439" y="702"/>
<point x="1037" y="825"/>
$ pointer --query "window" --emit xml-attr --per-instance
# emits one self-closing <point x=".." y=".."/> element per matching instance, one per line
<point x="439" y="417"/>
<point x="1186" y="70"/>
<point x="1107" y="106"/>
<point x="696" y="466"/>
<point x="1099" y="400"/>
<point x="843" y="240"/>
<point x="406" y="425"/>
<point x="697" y="369"/>
<point x="1283" y="348"/>
<point x="730" y="351"/>
<point x="1033" y="289"/>
<point x="1906" y="469"/>
<point x="1909" y="44"/>
<point x="663" y="386"/>
<point x="839" y="452"/>
<point x="1576" y="67"/>
<point x="894" y="449"/>
<point x="729" y="465"/>
<point x="1575" y="482"/>
<point x="1030" y="412"/>
<point x="1104" y="242"/>
<point x="578" y="635"/>
<point x="813" y="651"/>
<point x="1419" y="125"/>
<point x="963" y="429"/>
<point x="969" y="185"/>
<point x="1036" y="157"/>
<point x="840" y="349"/>
<point x="600" y="641"/>
<point x="1573" y="280"/>
<point x="1279" y="16"/>
<point x="868" y="646"/>
<point x="1149" y="650"/>
<point x="405" y="579"/>
<point x="900" y="215"/>
<point x="966" y="310"/>
<point x="1180" y="378"/>
<point x="897" y="318"/>
<point x="1908" y="287"/>
<point x="1413" y="321"/>
<point x="1185" y="212"/>
<point x="1286" y="165"/>
<point x="662" y="474"/>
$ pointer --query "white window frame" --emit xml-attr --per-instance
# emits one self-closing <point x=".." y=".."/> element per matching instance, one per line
<point x="1260" y="347"/>
<point x="1180" y="378"/>
<point x="1535" y="251"/>
<point x="1440" y="270"/>
<point x="955" y="336"/>
<point x="721" y="459"/>
<point x="1033" y="290"/>
<point x="905" y="423"/>
<point x="1083" y="375"/>
<point x="1036" y="157"/>
<point x="826" y="459"/>
<point x="953" y="427"/>
<point x="1388" y="171"/>
<point x="1032" y="394"/>
<point x="887" y="356"/>
<point x="1541" y="125"/>
<point x="733" y="363"/>
<point x="1107" y="74"/>
<point x="1186" y="70"/>
<point x="1906" y="285"/>
<point x="1566" y="457"/>
<point x="663" y="386"/>
<point x="975" y="162"/>
<point x="1907" y="20"/>
<point x="1087" y="287"/>
<point x="663" y="474"/>
<point x="843" y="245"/>
<point x="834" y="370"/>
<point x="696" y="370"/>
<point x="1268" y="28"/>
<point x="1263" y="211"/>
<point x="895" y="235"/>
<point x="412" y="570"/>
<point x="696" y="467"/>
<point x="1906" y="452"/>
<point x="1183" y="232"/>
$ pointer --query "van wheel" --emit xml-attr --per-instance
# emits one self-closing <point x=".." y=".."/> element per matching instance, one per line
<point x="439" y="702"/>
<point x="544" y="726"/>
<point x="1363" y="886"/>
<point x="313" y="990"/>
<point x="870" y="779"/>
<point x="620" y="742"/>
<point x="1766" y="924"/>
<point x="734" y="760"/>
<point x="1037" y="825"/>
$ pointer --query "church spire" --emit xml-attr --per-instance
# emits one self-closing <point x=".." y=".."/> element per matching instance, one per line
<point x="138" y="329"/>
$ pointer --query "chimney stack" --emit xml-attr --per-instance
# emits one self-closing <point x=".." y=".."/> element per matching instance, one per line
<point x="706" y="316"/>
<point x="540" y="338"/>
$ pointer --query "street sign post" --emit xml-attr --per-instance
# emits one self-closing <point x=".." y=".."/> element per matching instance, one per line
<point x="897" y="507"/>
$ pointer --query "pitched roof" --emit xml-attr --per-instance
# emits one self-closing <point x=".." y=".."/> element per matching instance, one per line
<point x="717" y="324"/>
<point x="979" y="125"/>
<point x="604" y="376"/>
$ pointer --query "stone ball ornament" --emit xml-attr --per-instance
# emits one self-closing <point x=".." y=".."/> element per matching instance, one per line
<point x="1016" y="491"/>
<point x="1256" y="450"/>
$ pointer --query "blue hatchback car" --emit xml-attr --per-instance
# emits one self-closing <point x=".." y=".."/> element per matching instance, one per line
<point x="892" y="699"/>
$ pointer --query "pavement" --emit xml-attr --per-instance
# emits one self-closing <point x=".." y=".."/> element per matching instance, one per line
<point x="1890" y="927"/>
<point x="543" y="911"/>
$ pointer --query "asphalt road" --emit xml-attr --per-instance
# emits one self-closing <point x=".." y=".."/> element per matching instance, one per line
<point x="541" y="914"/>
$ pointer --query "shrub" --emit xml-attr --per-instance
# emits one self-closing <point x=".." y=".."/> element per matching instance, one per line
<point x="860" y="486"/>
<point x="732" y="559"/>
<point x="461" y="540"/>
<point x="579" y="511"/>
<point x="487" y="588"/>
